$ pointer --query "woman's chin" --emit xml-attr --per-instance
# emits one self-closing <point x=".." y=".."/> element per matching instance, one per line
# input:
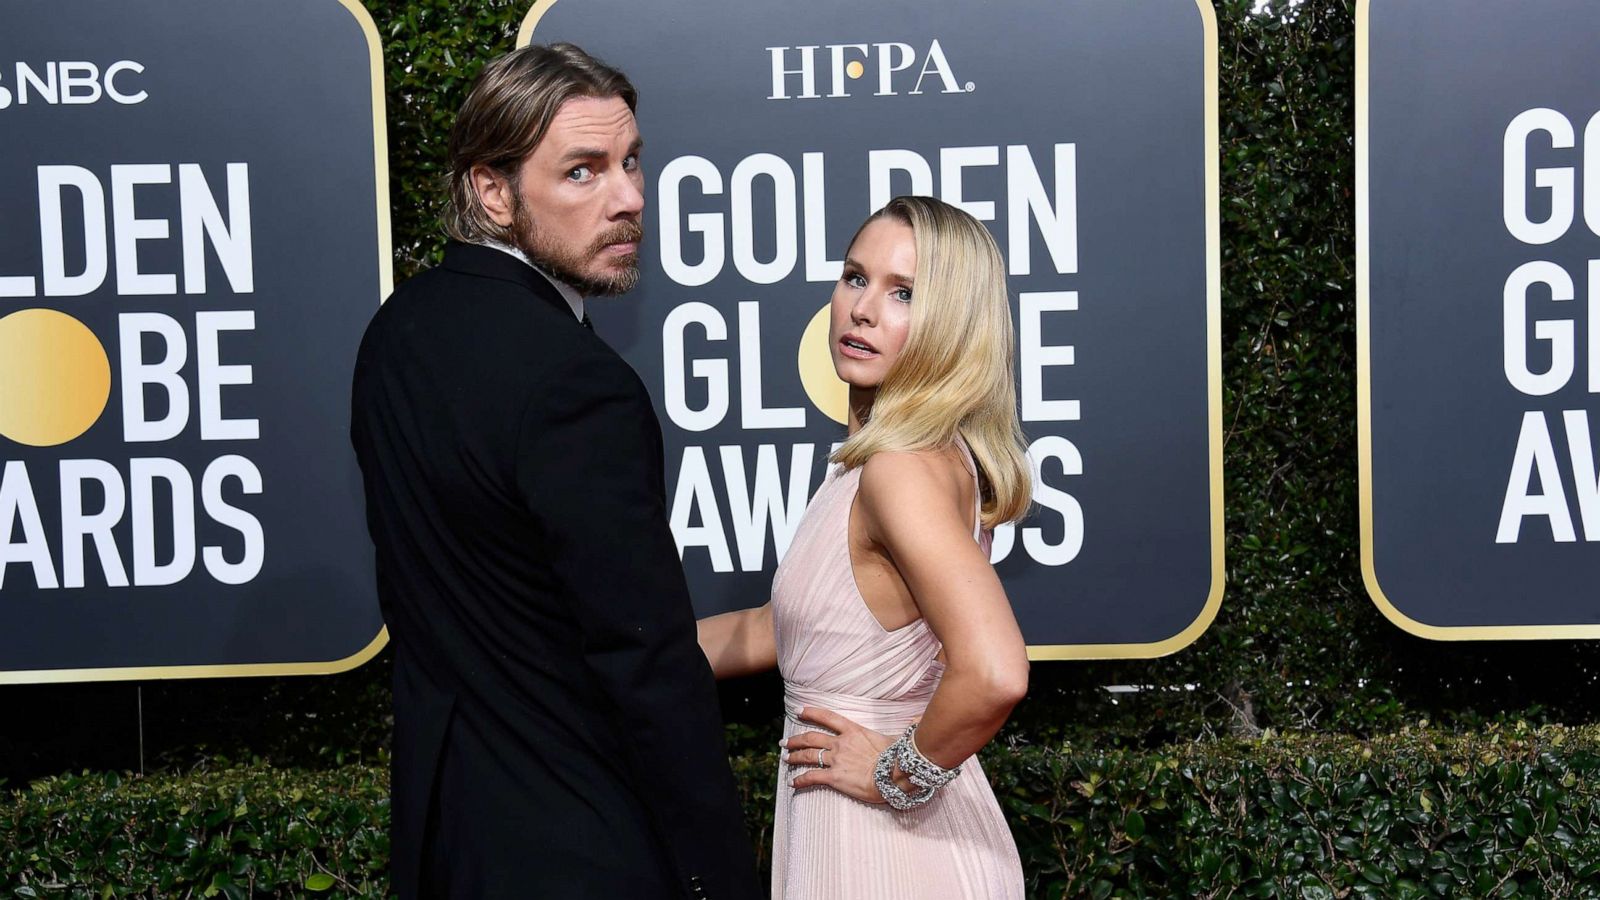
<point x="859" y="375"/>
<point x="847" y="372"/>
<point x="856" y="384"/>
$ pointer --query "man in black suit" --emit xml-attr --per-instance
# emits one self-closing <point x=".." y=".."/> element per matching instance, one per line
<point x="556" y="726"/>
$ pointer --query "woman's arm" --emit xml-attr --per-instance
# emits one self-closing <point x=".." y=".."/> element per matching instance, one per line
<point x="914" y="508"/>
<point x="924" y="523"/>
<point x="739" y="643"/>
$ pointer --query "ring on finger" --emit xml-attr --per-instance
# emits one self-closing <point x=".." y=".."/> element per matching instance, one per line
<point x="820" y="763"/>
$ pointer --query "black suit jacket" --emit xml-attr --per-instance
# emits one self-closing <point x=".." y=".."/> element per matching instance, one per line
<point x="557" y="733"/>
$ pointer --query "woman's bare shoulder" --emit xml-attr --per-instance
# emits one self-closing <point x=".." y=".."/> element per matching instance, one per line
<point x="915" y="479"/>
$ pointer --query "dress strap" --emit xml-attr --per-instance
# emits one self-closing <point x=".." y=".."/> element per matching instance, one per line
<point x="977" y="488"/>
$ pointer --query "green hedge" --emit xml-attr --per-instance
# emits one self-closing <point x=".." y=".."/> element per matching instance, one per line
<point x="231" y="832"/>
<point x="1507" y="812"/>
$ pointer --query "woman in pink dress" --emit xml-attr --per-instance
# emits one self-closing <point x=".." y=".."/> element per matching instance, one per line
<point x="899" y="651"/>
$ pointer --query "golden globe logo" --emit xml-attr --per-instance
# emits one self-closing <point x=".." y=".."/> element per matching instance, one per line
<point x="1536" y="339"/>
<point x="797" y="67"/>
<point x="712" y="362"/>
<point x="56" y="381"/>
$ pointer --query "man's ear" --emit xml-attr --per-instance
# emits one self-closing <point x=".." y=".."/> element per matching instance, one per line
<point x="495" y="192"/>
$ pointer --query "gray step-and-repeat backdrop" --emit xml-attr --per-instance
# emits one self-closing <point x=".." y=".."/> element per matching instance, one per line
<point x="1083" y="134"/>
<point x="1478" y="224"/>
<point x="193" y="234"/>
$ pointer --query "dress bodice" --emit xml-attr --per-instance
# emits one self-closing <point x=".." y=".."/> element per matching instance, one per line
<point x="832" y="651"/>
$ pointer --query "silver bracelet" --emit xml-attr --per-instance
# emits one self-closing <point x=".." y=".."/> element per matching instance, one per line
<point x="883" y="777"/>
<point x="922" y="771"/>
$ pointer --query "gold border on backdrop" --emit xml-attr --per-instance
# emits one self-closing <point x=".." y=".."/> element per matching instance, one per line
<point x="1369" y="572"/>
<point x="531" y="21"/>
<point x="380" y="150"/>
<point x="380" y="146"/>
<point x="1188" y="635"/>
<point x="151" y="673"/>
<point x="1208" y="613"/>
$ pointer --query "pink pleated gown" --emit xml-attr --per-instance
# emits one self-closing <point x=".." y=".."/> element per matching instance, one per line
<point x="834" y="654"/>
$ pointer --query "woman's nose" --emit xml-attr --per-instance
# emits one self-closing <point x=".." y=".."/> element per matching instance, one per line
<point x="862" y="312"/>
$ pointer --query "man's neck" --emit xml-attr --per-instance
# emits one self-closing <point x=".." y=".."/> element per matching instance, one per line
<point x="567" y="291"/>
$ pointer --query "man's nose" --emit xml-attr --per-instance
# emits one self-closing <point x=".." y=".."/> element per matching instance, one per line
<point x="627" y="199"/>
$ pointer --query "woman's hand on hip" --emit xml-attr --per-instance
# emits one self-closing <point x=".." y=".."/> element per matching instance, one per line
<point x="845" y="760"/>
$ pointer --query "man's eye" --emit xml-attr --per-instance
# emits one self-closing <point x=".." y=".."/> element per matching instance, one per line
<point x="903" y="295"/>
<point x="580" y="174"/>
<point x="630" y="163"/>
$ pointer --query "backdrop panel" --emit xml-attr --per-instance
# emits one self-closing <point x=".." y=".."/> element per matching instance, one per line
<point x="193" y="234"/>
<point x="1084" y="134"/>
<point x="1478" y="231"/>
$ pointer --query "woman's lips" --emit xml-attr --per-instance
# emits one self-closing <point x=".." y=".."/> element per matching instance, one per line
<point x="856" y="348"/>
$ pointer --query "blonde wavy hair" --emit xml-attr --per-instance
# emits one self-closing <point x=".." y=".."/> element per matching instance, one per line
<point x="954" y="374"/>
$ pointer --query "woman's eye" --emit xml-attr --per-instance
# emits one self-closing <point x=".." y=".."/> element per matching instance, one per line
<point x="580" y="174"/>
<point x="855" y="279"/>
<point x="903" y="295"/>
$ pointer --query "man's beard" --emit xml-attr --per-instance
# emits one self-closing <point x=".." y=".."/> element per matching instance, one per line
<point x="567" y="263"/>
